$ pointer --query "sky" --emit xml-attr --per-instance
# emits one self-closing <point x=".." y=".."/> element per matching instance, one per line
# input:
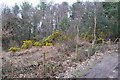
<point x="34" y="2"/>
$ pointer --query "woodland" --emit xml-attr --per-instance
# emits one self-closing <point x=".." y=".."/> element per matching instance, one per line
<point x="48" y="40"/>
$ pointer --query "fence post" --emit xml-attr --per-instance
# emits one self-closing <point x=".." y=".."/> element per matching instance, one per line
<point x="77" y="43"/>
<point x="44" y="65"/>
<point x="76" y="52"/>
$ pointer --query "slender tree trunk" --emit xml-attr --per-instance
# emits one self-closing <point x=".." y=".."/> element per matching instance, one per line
<point x="29" y="37"/>
<point x="34" y="29"/>
<point x="77" y="43"/>
<point x="95" y="22"/>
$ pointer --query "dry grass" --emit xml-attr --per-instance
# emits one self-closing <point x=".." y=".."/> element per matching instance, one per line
<point x="29" y="63"/>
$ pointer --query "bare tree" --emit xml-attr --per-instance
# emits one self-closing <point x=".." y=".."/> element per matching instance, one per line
<point x="95" y="17"/>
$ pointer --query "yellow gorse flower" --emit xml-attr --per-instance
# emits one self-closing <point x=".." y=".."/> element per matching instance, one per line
<point x="14" y="49"/>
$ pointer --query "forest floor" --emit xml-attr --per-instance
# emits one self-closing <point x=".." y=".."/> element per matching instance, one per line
<point x="58" y="64"/>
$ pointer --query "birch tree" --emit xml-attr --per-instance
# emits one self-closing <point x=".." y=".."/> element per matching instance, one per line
<point x="95" y="17"/>
<point x="78" y="11"/>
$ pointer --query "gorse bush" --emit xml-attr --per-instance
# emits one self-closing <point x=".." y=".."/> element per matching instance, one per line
<point x="55" y="37"/>
<point x="27" y="44"/>
<point x="99" y="40"/>
<point x="57" y="33"/>
<point x="90" y="37"/>
<point x="48" y="44"/>
<point x="87" y="37"/>
<point x="48" y="39"/>
<point x="36" y="44"/>
<point x="14" y="49"/>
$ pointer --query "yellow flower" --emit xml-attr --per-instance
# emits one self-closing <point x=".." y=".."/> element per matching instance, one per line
<point x="36" y="44"/>
<point x="14" y="49"/>
<point x="27" y="44"/>
<point x="48" y="44"/>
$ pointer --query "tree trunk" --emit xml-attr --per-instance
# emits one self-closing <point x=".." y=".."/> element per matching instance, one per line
<point x="95" y="22"/>
<point x="29" y="37"/>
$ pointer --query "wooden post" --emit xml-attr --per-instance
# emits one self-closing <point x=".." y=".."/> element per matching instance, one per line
<point x="44" y="65"/>
<point x="77" y="43"/>
<point x="11" y="66"/>
<point x="76" y="51"/>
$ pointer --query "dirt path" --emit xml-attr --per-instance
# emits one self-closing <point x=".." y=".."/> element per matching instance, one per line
<point x="107" y="67"/>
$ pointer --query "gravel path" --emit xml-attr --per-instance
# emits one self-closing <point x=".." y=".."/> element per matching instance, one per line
<point x="107" y="68"/>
